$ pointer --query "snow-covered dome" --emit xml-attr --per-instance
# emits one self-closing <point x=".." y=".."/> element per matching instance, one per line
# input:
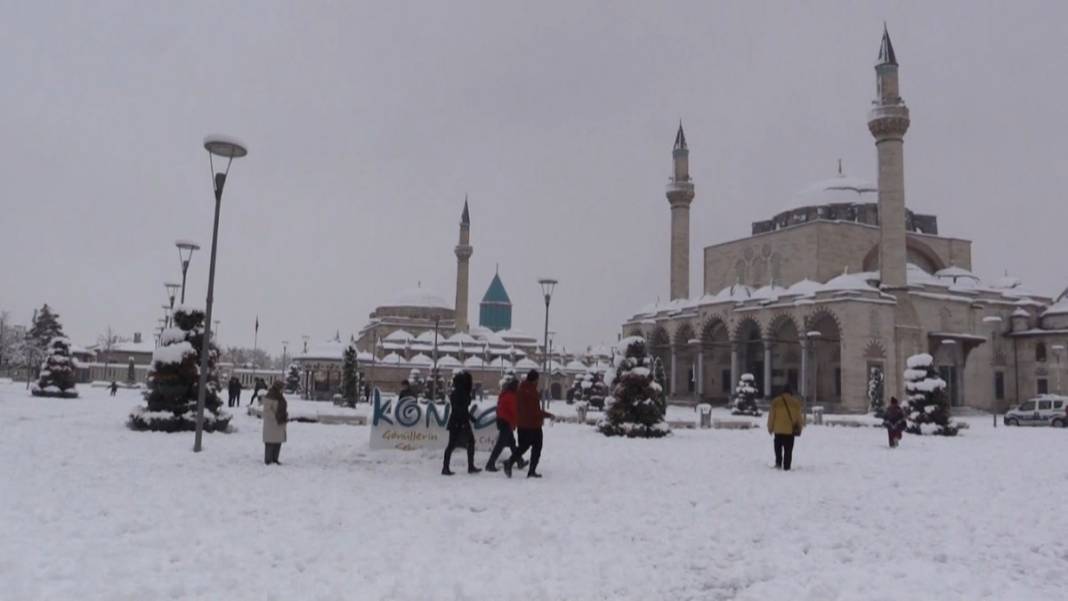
<point x="393" y="358"/>
<point x="848" y="282"/>
<point x="805" y="287"/>
<point x="419" y="297"/>
<point x="735" y="292"/>
<point x="836" y="190"/>
<point x="473" y="361"/>
<point x="768" y="293"/>
<point x="398" y="336"/>
<point x="526" y="364"/>
<point x="421" y="359"/>
<point x="576" y="365"/>
<point x="449" y="361"/>
<point x="958" y="277"/>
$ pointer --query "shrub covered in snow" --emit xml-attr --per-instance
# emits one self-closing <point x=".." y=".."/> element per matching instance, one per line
<point x="173" y="379"/>
<point x="876" y="404"/>
<point x="57" y="372"/>
<point x="635" y="409"/>
<point x="745" y="396"/>
<point x="293" y="378"/>
<point x="591" y="389"/>
<point x="925" y="398"/>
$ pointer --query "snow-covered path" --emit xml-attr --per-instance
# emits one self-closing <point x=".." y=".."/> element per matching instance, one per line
<point x="91" y="510"/>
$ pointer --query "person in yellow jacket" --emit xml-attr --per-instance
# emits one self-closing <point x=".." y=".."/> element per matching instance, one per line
<point x="785" y="421"/>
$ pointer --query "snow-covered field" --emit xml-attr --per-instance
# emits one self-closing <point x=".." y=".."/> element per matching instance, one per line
<point x="90" y="510"/>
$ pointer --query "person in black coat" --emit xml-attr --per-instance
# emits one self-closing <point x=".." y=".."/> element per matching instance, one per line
<point x="234" y="388"/>
<point x="460" y="432"/>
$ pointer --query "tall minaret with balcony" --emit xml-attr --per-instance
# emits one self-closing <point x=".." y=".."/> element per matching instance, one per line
<point x="680" y="195"/>
<point x="463" y="255"/>
<point x="888" y="122"/>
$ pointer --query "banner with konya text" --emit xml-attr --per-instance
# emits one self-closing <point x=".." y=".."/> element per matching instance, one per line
<point x="408" y="424"/>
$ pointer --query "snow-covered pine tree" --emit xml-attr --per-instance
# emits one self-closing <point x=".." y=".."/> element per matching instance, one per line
<point x="661" y="379"/>
<point x="437" y="384"/>
<point x="57" y="372"/>
<point x="173" y="379"/>
<point x="43" y="330"/>
<point x="293" y="379"/>
<point x="876" y="405"/>
<point x="634" y="409"/>
<point x="597" y="391"/>
<point x="350" y="378"/>
<point x="745" y="396"/>
<point x="925" y="398"/>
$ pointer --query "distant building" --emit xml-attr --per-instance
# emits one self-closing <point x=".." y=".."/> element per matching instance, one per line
<point x="495" y="310"/>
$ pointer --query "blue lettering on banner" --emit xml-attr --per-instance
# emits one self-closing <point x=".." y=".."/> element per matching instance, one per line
<point x="408" y="412"/>
<point x="442" y="419"/>
<point x="381" y="411"/>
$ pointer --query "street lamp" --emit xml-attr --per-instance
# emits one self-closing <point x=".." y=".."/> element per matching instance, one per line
<point x="172" y="290"/>
<point x="1057" y="350"/>
<point x="229" y="149"/>
<point x="810" y="337"/>
<point x="285" y="368"/>
<point x="993" y="322"/>
<point x="547" y="287"/>
<point x="185" y="254"/>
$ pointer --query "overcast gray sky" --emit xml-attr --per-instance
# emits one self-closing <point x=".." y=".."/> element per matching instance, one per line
<point x="368" y="122"/>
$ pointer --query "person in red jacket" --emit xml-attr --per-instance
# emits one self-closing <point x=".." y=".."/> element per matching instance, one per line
<point x="506" y="416"/>
<point x="529" y="419"/>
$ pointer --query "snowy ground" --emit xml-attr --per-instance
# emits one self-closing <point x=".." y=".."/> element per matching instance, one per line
<point x="91" y="510"/>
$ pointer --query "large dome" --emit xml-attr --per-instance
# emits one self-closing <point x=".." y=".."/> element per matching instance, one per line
<point x="418" y="297"/>
<point x="838" y="189"/>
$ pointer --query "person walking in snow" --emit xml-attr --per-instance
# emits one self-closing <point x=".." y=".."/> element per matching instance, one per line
<point x="234" y="388"/>
<point x="894" y="421"/>
<point x="460" y="432"/>
<point x="275" y="416"/>
<point x="260" y="384"/>
<point x="785" y="421"/>
<point x="113" y="388"/>
<point x="529" y="420"/>
<point x="506" y="418"/>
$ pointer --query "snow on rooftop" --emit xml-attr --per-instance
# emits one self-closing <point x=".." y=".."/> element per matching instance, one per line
<point x="449" y="361"/>
<point x="1058" y="308"/>
<point x="398" y="336"/>
<point x="848" y="282"/>
<point x="735" y="293"/>
<point x="421" y="360"/>
<point x="393" y="358"/>
<point x="576" y="365"/>
<point x="419" y="297"/>
<point x="768" y="293"/>
<point x="805" y="287"/>
<point x="837" y="190"/>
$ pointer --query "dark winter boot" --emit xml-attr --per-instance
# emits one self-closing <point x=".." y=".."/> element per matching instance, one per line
<point x="508" y="468"/>
<point x="491" y="468"/>
<point x="533" y="474"/>
<point x="445" y="471"/>
<point x="473" y="470"/>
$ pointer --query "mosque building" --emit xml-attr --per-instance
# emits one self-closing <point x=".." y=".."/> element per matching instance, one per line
<point x="832" y="297"/>
<point x="418" y="329"/>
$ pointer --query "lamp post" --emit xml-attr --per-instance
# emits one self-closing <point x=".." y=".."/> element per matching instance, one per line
<point x="547" y="287"/>
<point x="228" y="149"/>
<point x="1057" y="350"/>
<point x="549" y="368"/>
<point x="172" y="290"/>
<point x="185" y="254"/>
<point x="806" y="349"/>
<point x="285" y="368"/>
<point x="993" y="322"/>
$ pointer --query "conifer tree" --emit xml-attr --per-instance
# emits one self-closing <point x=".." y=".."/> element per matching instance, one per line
<point x="350" y="377"/>
<point x="745" y="396"/>
<point x="293" y="379"/>
<point x="43" y="330"/>
<point x="925" y="398"/>
<point x="57" y="372"/>
<point x="634" y="407"/>
<point x="173" y="380"/>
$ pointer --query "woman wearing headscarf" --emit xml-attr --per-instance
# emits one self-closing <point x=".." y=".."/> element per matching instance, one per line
<point x="275" y="416"/>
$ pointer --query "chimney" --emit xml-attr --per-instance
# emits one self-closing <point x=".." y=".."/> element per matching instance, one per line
<point x="137" y="337"/>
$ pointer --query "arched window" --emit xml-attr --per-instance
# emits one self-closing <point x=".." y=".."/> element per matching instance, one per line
<point x="1040" y="352"/>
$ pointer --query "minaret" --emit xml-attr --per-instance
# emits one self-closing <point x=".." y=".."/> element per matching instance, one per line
<point x="888" y="121"/>
<point x="680" y="195"/>
<point x="463" y="254"/>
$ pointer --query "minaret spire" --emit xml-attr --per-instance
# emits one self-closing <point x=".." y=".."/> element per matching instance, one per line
<point x="888" y="121"/>
<point x="886" y="49"/>
<point x="463" y="255"/>
<point x="680" y="194"/>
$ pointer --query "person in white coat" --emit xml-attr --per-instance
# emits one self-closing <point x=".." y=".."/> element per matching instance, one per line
<point x="275" y="416"/>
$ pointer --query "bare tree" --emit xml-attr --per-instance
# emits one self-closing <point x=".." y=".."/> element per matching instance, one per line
<point x="106" y="343"/>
